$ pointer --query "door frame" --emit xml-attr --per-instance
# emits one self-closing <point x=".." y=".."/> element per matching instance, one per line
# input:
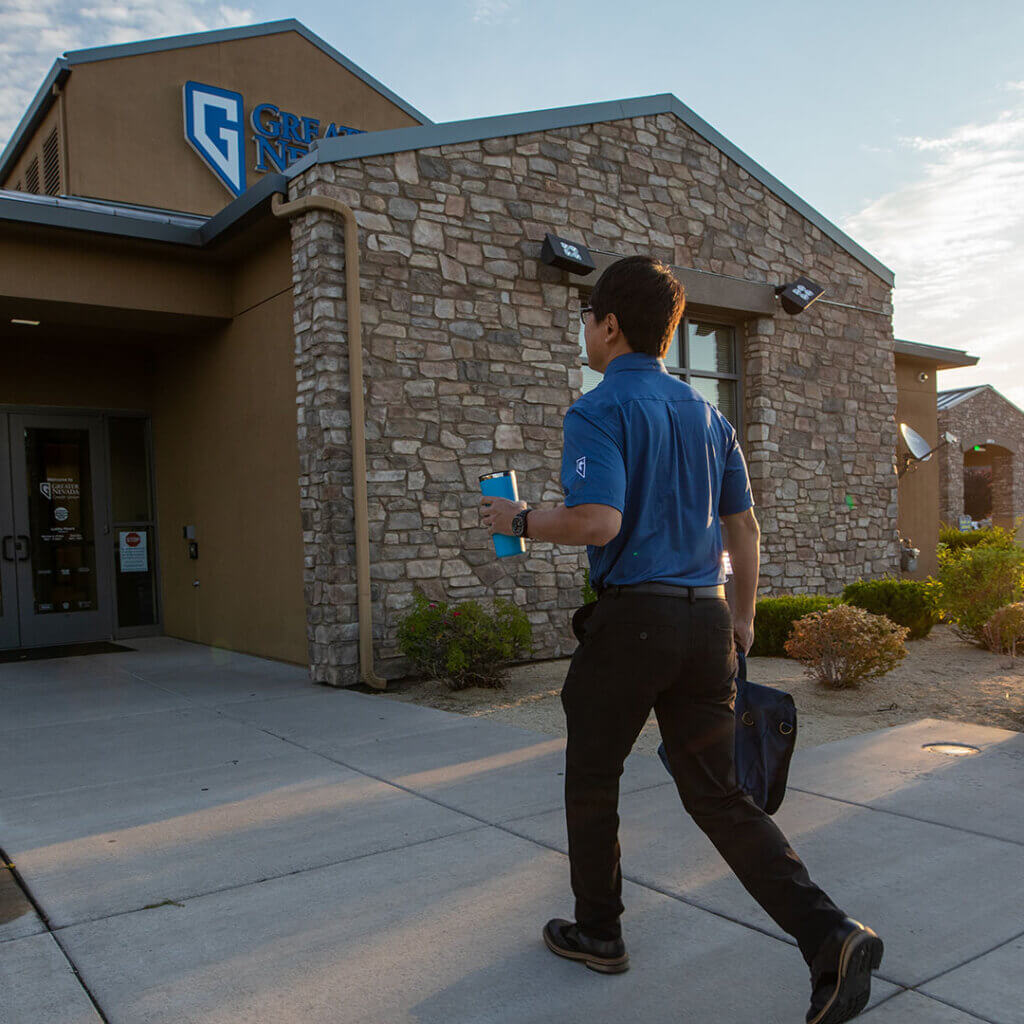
<point x="106" y="544"/>
<point x="10" y="625"/>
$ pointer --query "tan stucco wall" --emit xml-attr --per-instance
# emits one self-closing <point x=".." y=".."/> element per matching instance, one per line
<point x="48" y="266"/>
<point x="222" y="403"/>
<point x="227" y="463"/>
<point x="919" y="488"/>
<point x="124" y="116"/>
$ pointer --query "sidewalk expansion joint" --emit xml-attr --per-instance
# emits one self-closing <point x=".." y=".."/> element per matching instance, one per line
<point x="908" y="817"/>
<point x="973" y="1014"/>
<point x="181" y="901"/>
<point x="970" y="960"/>
<point x="52" y="932"/>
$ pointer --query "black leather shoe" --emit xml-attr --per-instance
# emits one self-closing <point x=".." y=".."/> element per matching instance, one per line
<point x="841" y="973"/>
<point x="565" y="939"/>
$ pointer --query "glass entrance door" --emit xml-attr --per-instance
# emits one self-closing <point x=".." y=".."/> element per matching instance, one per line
<point x="56" y="590"/>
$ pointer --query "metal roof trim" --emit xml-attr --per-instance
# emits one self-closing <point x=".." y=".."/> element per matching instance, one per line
<point x="43" y="99"/>
<point x="951" y="358"/>
<point x="242" y="207"/>
<point x="351" y="147"/>
<point x="130" y="221"/>
<point x="123" y="222"/>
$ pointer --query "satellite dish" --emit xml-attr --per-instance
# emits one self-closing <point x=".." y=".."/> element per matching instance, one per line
<point x="918" y="446"/>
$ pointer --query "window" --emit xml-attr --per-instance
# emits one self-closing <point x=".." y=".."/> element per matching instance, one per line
<point x="703" y="353"/>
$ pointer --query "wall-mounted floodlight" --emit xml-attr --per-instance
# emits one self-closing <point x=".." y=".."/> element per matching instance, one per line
<point x="798" y="295"/>
<point x="918" y="449"/>
<point x="566" y="255"/>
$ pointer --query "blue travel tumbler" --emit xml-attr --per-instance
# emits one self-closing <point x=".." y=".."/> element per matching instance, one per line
<point x="503" y="485"/>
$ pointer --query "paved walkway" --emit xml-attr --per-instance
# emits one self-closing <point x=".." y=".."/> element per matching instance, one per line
<point x="212" y="838"/>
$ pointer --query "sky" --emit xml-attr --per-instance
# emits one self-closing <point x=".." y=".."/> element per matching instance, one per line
<point x="900" y="121"/>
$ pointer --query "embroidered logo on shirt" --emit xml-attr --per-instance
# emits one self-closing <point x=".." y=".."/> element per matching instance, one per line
<point x="581" y="466"/>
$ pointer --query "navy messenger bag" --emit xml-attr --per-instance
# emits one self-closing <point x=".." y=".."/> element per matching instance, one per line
<point x="765" y="738"/>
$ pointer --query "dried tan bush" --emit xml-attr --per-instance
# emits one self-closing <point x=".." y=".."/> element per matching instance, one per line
<point x="1004" y="632"/>
<point x="843" y="645"/>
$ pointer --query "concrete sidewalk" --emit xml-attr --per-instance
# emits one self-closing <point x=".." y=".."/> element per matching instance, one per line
<point x="212" y="838"/>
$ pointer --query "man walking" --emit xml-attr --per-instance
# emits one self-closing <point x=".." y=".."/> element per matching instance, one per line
<point x="651" y="472"/>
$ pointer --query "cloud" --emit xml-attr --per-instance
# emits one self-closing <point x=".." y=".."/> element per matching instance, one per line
<point x="36" y="32"/>
<point x="955" y="239"/>
<point x="490" y="12"/>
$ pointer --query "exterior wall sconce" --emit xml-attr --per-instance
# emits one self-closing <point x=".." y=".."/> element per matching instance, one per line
<point x="798" y="295"/>
<point x="573" y="257"/>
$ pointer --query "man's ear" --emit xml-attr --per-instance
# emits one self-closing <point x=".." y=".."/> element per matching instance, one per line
<point x="614" y="330"/>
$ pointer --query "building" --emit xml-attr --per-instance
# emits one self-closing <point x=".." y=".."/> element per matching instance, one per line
<point x="919" y="488"/>
<point x="179" y="437"/>
<point x="983" y="476"/>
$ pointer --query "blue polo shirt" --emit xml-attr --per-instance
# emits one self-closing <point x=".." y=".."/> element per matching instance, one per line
<point x="646" y="443"/>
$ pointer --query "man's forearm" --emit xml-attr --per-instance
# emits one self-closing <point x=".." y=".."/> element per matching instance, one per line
<point x="745" y="556"/>
<point x="562" y="525"/>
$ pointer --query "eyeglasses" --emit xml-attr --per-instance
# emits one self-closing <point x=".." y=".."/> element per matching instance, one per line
<point x="584" y="310"/>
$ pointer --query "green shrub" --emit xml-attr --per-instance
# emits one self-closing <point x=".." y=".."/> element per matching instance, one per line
<point x="843" y="645"/>
<point x="992" y="537"/>
<point x="465" y="645"/>
<point x="775" y="618"/>
<point x="1004" y="632"/>
<point x="975" y="583"/>
<point x="588" y="593"/>
<point x="908" y="603"/>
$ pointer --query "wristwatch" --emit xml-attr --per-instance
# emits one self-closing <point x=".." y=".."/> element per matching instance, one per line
<point x="519" y="523"/>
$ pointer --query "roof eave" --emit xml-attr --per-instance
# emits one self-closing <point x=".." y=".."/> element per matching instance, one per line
<point x="944" y="358"/>
<point x="250" y="205"/>
<point x="97" y="222"/>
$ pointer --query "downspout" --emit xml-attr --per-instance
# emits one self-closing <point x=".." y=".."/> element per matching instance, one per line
<point x="282" y="208"/>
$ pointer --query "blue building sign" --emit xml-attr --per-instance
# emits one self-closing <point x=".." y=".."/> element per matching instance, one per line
<point x="215" y="129"/>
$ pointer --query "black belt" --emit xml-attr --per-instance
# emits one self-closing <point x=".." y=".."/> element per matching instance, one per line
<point x="665" y="590"/>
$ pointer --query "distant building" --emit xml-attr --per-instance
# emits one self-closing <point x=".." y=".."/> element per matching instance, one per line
<point x="983" y="477"/>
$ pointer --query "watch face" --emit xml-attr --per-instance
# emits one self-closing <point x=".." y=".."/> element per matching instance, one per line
<point x="518" y="525"/>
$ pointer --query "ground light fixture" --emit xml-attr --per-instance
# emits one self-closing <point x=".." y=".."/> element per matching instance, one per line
<point x="951" y="749"/>
<point x="798" y="295"/>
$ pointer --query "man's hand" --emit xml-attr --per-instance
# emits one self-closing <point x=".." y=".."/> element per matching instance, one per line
<point x="743" y="542"/>
<point x="744" y="632"/>
<point x="496" y="513"/>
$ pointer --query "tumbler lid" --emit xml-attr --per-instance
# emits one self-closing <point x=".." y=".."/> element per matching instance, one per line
<point x="499" y="472"/>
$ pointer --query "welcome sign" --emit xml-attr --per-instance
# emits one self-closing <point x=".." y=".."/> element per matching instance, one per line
<point x="215" y="128"/>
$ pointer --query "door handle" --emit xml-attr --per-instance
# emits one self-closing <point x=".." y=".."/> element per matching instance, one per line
<point x="7" y="540"/>
<point x="22" y="537"/>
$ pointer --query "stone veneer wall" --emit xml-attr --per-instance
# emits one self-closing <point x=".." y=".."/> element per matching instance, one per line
<point x="986" y="416"/>
<point x="472" y="359"/>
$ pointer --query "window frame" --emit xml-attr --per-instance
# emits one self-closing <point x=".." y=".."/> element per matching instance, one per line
<point x="684" y="372"/>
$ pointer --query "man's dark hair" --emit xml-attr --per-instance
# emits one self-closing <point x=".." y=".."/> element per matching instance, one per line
<point x="648" y="301"/>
